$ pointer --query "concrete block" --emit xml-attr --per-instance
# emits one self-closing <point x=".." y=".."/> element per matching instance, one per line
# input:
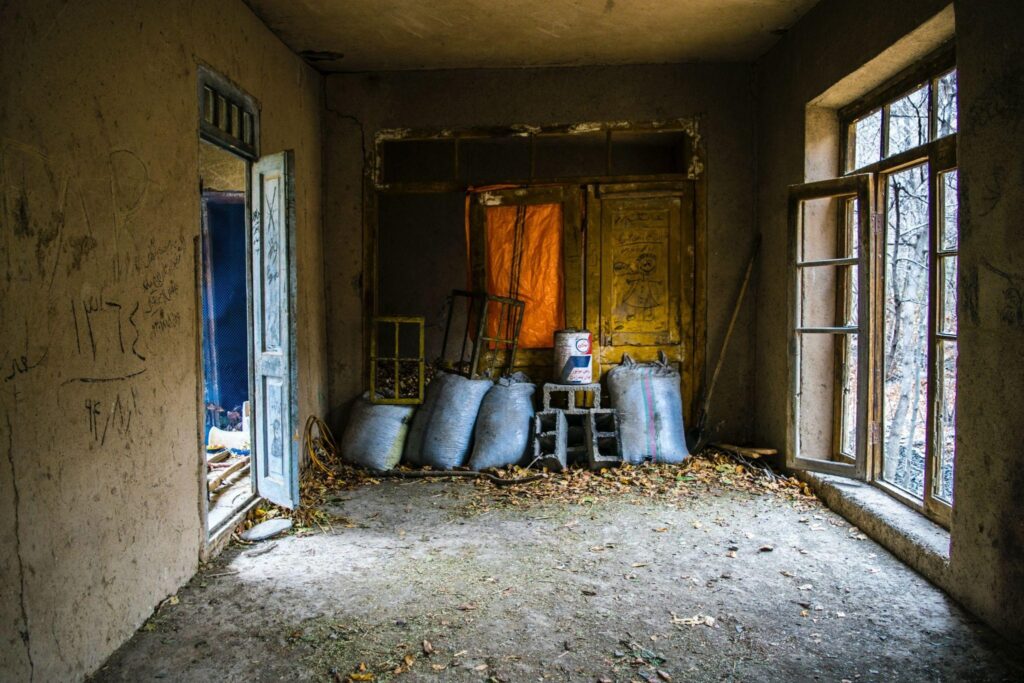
<point x="603" y="446"/>
<point x="574" y="399"/>
<point x="550" y="440"/>
<point x="576" y="437"/>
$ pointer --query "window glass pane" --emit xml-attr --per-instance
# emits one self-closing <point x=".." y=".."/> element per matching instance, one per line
<point x="904" y="401"/>
<point x="947" y="275"/>
<point x="950" y="210"/>
<point x="849" y="274"/>
<point x="908" y="121"/>
<point x="816" y="386"/>
<point x="946" y="449"/>
<point x="818" y="296"/>
<point x="867" y="136"/>
<point x="852" y="228"/>
<point x="417" y="160"/>
<point x="563" y="156"/>
<point x="821" y="303"/>
<point x="945" y="102"/>
<point x="848" y="373"/>
<point x="819" y="233"/>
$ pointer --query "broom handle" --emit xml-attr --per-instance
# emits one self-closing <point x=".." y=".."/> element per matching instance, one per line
<point x="728" y="332"/>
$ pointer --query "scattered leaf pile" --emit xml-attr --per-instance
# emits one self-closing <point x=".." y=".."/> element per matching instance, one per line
<point x="710" y="469"/>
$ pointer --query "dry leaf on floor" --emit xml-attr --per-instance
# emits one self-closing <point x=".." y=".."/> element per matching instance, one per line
<point x="695" y="620"/>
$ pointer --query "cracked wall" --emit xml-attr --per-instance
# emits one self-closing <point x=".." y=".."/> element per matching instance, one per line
<point x="99" y="209"/>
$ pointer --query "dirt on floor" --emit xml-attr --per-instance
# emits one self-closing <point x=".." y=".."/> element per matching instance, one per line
<point x="702" y="573"/>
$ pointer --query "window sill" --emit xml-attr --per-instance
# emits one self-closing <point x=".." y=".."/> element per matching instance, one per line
<point x="906" y="533"/>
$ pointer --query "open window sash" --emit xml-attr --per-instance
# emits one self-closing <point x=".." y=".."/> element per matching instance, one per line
<point x="832" y="247"/>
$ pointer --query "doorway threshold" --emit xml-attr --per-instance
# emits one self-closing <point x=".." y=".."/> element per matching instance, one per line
<point x="219" y="537"/>
<point x="916" y="540"/>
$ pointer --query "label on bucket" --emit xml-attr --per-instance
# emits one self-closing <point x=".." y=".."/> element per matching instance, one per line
<point x="573" y="356"/>
<point x="577" y="370"/>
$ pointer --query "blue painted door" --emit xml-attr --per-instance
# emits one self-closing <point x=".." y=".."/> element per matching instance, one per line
<point x="273" y="309"/>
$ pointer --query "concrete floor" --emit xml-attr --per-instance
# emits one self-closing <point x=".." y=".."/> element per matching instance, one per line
<point x="617" y="590"/>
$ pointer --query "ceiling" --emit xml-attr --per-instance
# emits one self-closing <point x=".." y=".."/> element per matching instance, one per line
<point x="385" y="35"/>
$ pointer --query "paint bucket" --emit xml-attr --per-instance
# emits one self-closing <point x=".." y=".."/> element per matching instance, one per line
<point x="574" y="356"/>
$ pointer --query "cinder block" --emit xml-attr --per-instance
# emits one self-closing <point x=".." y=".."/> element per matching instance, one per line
<point x="574" y="399"/>
<point x="550" y="440"/>
<point x="576" y="437"/>
<point x="603" y="446"/>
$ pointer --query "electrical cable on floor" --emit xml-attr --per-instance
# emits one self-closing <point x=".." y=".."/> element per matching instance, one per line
<point x="323" y="443"/>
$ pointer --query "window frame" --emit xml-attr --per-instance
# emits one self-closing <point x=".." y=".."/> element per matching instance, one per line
<point x="940" y="155"/>
<point x="861" y="187"/>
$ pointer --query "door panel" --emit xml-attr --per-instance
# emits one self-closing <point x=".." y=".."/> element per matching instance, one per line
<point x="273" y="219"/>
<point x="641" y="289"/>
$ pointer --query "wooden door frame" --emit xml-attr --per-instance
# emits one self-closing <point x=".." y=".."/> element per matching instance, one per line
<point x="373" y="188"/>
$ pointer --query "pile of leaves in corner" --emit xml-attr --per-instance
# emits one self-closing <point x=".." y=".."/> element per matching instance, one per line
<point x="711" y="469"/>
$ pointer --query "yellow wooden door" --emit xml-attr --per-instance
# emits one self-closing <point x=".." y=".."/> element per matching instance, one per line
<point x="640" y="276"/>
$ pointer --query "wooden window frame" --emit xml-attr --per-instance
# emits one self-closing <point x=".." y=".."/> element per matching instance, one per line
<point x="940" y="155"/>
<point x="843" y="188"/>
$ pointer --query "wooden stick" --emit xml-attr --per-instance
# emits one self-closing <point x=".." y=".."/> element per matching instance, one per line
<point x="218" y="456"/>
<point x="745" y="450"/>
<point x="214" y="482"/>
<point x="703" y="415"/>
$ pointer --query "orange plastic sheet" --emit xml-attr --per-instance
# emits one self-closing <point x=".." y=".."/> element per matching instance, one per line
<point x="539" y="245"/>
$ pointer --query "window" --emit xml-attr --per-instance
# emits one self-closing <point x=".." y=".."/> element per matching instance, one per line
<point x="874" y="260"/>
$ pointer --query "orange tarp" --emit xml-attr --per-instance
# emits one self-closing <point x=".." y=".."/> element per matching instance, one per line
<point x="540" y="271"/>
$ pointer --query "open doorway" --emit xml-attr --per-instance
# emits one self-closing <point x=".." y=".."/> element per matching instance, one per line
<point x="226" y="354"/>
<point x="248" y="407"/>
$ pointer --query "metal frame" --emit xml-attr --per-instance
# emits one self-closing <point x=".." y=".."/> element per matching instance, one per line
<point x="397" y="321"/>
<point x="505" y="348"/>
<point x="503" y="354"/>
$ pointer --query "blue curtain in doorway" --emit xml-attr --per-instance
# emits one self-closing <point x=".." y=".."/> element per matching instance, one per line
<point x="224" y="291"/>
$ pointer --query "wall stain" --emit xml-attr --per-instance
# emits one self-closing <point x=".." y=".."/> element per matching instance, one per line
<point x="81" y="247"/>
<point x="1012" y="312"/>
<point x="969" y="289"/>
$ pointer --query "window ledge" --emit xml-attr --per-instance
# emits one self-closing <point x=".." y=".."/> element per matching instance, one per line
<point x="913" y="538"/>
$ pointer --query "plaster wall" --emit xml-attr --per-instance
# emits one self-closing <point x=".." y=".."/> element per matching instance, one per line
<point x="100" y="474"/>
<point x="359" y="105"/>
<point x="835" y="39"/>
